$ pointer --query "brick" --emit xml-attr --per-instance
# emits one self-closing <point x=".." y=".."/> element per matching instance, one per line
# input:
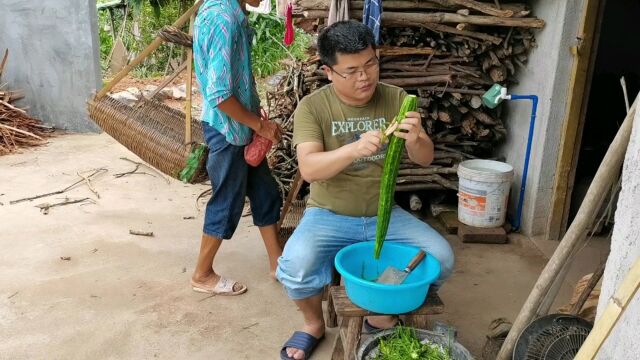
<point x="470" y="234"/>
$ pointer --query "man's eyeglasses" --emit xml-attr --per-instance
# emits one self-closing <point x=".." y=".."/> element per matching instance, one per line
<point x="355" y="73"/>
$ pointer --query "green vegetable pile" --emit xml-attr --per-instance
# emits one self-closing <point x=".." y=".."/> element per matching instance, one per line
<point x="403" y="344"/>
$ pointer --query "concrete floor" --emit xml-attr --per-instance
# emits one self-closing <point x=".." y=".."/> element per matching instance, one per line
<point x="127" y="297"/>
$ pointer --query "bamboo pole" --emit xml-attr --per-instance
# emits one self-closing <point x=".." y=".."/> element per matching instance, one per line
<point x="576" y="235"/>
<point x="148" y="50"/>
<point x="612" y="313"/>
<point x="169" y="79"/>
<point x="187" y="110"/>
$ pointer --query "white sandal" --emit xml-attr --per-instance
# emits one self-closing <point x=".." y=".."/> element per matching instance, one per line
<point x="224" y="287"/>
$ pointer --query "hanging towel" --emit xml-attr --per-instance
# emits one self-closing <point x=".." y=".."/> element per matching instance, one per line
<point x="289" y="34"/>
<point x="338" y="11"/>
<point x="371" y="16"/>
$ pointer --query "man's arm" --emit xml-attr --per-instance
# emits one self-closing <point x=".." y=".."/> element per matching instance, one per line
<point x="316" y="164"/>
<point x="218" y="90"/>
<point x="234" y="109"/>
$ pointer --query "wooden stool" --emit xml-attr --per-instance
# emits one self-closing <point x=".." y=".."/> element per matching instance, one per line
<point x="352" y="316"/>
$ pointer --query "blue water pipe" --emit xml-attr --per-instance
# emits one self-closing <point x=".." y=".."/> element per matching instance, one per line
<point x="491" y="99"/>
<point x="534" y="106"/>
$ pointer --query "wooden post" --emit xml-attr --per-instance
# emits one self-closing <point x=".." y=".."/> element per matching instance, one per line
<point x="581" y="56"/>
<point x="616" y="306"/>
<point x="187" y="110"/>
<point x="576" y="234"/>
<point x="148" y="50"/>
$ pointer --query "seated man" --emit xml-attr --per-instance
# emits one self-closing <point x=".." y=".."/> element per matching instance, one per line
<point x="340" y="152"/>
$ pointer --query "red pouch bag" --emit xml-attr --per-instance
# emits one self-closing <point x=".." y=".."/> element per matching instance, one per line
<point x="256" y="151"/>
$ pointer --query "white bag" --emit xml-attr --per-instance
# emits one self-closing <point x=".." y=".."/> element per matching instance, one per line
<point x="263" y="8"/>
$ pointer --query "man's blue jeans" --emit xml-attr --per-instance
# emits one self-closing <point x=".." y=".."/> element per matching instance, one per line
<point x="306" y="264"/>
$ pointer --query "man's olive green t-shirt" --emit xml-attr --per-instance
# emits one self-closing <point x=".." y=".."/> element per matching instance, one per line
<point x="322" y="117"/>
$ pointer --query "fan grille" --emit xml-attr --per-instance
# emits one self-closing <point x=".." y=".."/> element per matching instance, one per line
<point x="557" y="342"/>
<point x="552" y="337"/>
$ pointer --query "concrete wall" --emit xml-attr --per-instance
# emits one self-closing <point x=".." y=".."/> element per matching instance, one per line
<point x="546" y="75"/>
<point x="625" y="249"/>
<point x="54" y="57"/>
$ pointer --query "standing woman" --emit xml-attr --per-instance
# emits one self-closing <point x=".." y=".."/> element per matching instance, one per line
<point x="222" y="54"/>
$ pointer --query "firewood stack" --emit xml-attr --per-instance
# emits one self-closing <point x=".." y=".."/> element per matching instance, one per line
<point x="448" y="52"/>
<point x="17" y="128"/>
<point x="282" y="100"/>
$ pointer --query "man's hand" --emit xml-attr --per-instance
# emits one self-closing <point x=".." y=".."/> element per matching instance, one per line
<point x="412" y="127"/>
<point x="270" y="130"/>
<point x="368" y="144"/>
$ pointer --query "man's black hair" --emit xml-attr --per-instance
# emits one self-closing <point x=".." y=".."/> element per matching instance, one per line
<point x="344" y="37"/>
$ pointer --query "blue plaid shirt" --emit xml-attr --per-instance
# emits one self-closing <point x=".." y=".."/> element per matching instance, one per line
<point x="371" y="17"/>
<point x="222" y="41"/>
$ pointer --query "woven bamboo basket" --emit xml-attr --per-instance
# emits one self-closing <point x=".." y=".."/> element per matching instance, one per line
<point x="152" y="130"/>
<point x="291" y="220"/>
<point x="167" y="139"/>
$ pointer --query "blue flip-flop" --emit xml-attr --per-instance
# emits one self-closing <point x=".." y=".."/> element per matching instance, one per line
<point x="301" y="341"/>
<point x="374" y="330"/>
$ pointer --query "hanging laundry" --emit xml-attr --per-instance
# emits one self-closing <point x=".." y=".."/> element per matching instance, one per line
<point x="289" y="33"/>
<point x="338" y="11"/>
<point x="371" y="16"/>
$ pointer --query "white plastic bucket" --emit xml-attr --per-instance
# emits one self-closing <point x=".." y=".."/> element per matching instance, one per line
<point x="483" y="192"/>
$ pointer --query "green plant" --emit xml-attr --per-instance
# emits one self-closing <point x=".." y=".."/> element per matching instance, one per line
<point x="141" y="26"/>
<point x="403" y="344"/>
<point x="390" y="174"/>
<point x="268" y="49"/>
<point x="148" y="16"/>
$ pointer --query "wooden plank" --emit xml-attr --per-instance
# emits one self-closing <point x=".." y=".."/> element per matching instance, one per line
<point x="470" y="234"/>
<point x="338" y="349"/>
<point x="344" y="307"/>
<point x="583" y="116"/>
<point x="449" y="220"/>
<point x="352" y="339"/>
<point x="582" y="54"/>
<point x="615" y="307"/>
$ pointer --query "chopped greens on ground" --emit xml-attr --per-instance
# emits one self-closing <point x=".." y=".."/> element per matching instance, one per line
<point x="403" y="344"/>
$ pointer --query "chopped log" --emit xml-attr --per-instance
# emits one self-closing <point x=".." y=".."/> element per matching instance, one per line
<point x="428" y="171"/>
<point x="437" y="179"/>
<point x="475" y="102"/>
<point x="451" y="90"/>
<point x="444" y="116"/>
<point x="399" y="51"/>
<point x="403" y="19"/>
<point x="359" y="5"/>
<point x="453" y="30"/>
<point x="483" y="117"/>
<point x="517" y="10"/>
<point x="445" y="182"/>
<point x="403" y="74"/>
<point x="427" y="80"/>
<point x="416" y="187"/>
<point x="468" y="124"/>
<point x="498" y="73"/>
<point x="476" y="5"/>
<point x="419" y="19"/>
